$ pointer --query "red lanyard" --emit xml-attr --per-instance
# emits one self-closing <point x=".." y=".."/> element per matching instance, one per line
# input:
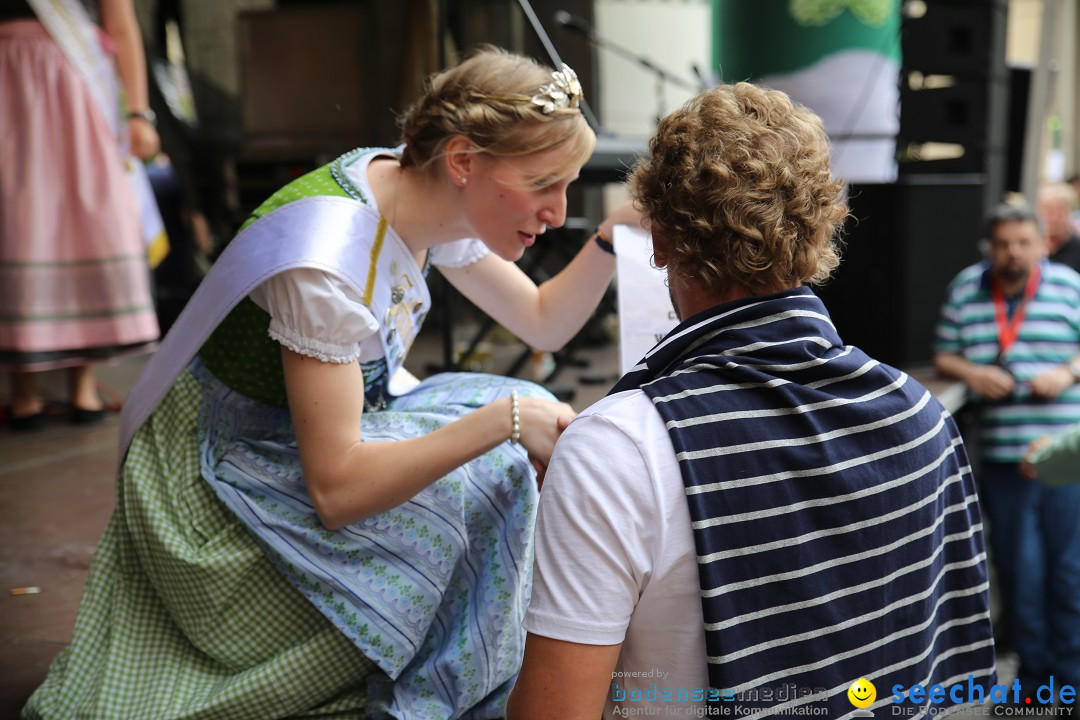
<point x="1008" y="330"/>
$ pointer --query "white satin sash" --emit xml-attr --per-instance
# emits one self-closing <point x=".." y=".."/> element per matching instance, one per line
<point x="339" y="235"/>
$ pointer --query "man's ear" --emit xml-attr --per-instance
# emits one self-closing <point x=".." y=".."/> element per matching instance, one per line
<point x="459" y="157"/>
<point x="660" y="251"/>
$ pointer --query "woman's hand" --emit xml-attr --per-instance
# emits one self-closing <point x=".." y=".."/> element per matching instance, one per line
<point x="545" y="317"/>
<point x="625" y="214"/>
<point x="145" y="142"/>
<point x="542" y="422"/>
<point x="541" y="467"/>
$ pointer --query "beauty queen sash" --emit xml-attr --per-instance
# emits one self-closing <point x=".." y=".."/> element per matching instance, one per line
<point x="78" y="37"/>
<point x="339" y="235"/>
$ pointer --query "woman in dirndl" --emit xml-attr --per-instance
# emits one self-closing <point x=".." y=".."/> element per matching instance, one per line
<point x="303" y="529"/>
<point x="73" y="263"/>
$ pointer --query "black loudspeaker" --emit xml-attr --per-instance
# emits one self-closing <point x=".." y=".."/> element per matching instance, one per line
<point x="954" y="90"/>
<point x="903" y="243"/>
<point x="1019" y="91"/>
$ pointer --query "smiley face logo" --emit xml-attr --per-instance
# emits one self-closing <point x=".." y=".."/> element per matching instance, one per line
<point x="862" y="693"/>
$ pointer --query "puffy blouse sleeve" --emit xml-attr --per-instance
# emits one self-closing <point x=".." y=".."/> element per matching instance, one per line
<point x="316" y="314"/>
<point x="459" y="253"/>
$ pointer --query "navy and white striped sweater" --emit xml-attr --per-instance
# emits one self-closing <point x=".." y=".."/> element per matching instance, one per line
<point x="835" y="517"/>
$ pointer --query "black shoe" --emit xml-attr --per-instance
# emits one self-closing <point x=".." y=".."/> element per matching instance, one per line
<point x="82" y="416"/>
<point x="28" y="423"/>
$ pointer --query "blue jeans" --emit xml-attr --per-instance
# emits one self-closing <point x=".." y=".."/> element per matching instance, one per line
<point x="1035" y="538"/>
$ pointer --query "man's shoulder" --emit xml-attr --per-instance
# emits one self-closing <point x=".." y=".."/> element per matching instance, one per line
<point x="622" y="409"/>
<point x="624" y="422"/>
<point x="622" y="429"/>
<point x="969" y="286"/>
<point x="1061" y="274"/>
<point x="970" y="278"/>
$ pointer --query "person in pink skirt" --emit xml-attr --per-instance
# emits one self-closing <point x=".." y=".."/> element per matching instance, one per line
<point x="74" y="282"/>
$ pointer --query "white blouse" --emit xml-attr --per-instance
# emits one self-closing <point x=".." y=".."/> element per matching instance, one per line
<point x="315" y="313"/>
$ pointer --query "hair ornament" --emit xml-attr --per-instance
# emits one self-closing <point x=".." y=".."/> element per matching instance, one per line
<point x="564" y="92"/>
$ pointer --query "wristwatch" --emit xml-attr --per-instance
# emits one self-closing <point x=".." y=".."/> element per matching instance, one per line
<point x="148" y="115"/>
<point x="1074" y="368"/>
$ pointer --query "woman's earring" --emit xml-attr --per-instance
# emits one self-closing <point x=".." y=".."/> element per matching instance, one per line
<point x="462" y="180"/>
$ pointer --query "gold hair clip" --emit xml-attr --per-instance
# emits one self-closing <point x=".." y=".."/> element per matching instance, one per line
<point x="565" y="92"/>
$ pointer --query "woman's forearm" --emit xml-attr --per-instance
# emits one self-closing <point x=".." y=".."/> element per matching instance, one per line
<point x="372" y="477"/>
<point x="569" y="299"/>
<point x="575" y="292"/>
<point x="119" y="21"/>
<point x="349" y="479"/>
<point x="544" y="317"/>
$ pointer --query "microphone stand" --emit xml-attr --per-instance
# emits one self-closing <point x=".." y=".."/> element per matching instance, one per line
<point x="662" y="76"/>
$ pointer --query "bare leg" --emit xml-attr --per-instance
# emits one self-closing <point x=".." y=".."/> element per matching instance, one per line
<point x="24" y="398"/>
<point x="82" y="386"/>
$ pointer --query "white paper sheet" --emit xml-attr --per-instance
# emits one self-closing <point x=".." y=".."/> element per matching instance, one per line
<point x="645" y="311"/>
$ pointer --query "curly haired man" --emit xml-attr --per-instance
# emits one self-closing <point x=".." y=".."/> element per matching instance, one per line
<point x="757" y="515"/>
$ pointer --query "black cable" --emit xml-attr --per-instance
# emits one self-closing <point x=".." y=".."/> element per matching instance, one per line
<point x="862" y="102"/>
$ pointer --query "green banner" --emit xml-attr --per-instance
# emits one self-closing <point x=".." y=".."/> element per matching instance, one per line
<point x="840" y="58"/>
<point x="755" y="38"/>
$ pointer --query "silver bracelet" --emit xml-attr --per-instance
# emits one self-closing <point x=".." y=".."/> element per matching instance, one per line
<point x="515" y="418"/>
<point x="148" y="115"/>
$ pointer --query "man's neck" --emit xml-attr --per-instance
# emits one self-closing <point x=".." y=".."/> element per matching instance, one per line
<point x="1013" y="287"/>
<point x="690" y="298"/>
<point x="1011" y="290"/>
